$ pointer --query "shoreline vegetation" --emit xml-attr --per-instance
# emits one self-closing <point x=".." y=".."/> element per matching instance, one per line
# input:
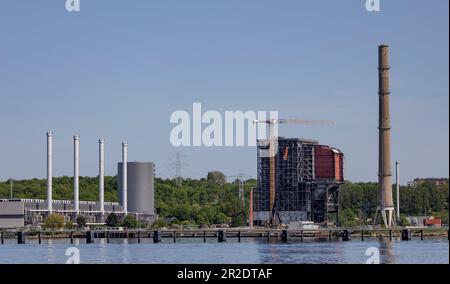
<point x="212" y="201"/>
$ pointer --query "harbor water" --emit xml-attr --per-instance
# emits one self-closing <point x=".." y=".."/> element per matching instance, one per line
<point x="249" y="251"/>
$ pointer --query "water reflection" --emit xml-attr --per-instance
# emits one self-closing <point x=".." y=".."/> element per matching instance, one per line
<point x="307" y="252"/>
<point x="386" y="251"/>
<point x="248" y="251"/>
<point x="273" y="253"/>
<point x="102" y="248"/>
<point x="50" y="252"/>
<point x="125" y="252"/>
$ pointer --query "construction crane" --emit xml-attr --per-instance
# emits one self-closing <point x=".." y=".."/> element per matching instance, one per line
<point x="272" y="123"/>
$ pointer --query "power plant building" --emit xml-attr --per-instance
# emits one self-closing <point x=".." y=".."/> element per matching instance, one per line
<point x="307" y="181"/>
<point x="19" y="212"/>
<point x="16" y="213"/>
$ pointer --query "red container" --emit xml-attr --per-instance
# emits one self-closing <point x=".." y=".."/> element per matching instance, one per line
<point x="329" y="163"/>
<point x="433" y="222"/>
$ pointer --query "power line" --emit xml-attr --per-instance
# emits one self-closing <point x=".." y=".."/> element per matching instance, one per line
<point x="179" y="164"/>
<point x="240" y="178"/>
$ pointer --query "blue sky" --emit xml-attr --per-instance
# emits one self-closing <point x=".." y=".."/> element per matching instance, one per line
<point x="117" y="69"/>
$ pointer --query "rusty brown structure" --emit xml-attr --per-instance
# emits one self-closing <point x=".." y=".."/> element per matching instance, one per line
<point x="385" y="214"/>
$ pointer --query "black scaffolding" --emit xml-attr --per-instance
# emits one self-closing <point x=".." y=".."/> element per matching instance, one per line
<point x="296" y="188"/>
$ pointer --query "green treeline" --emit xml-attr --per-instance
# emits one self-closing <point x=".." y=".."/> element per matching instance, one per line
<point x="202" y="201"/>
<point x="358" y="202"/>
<point x="213" y="201"/>
<point x="62" y="188"/>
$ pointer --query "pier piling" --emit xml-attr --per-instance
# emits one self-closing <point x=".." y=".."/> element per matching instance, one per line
<point x="390" y="235"/>
<point x="362" y="235"/>
<point x="156" y="237"/>
<point x="21" y="237"/>
<point x="346" y="236"/>
<point x="2" y="237"/>
<point x="222" y="236"/>
<point x="406" y="235"/>
<point x="89" y="237"/>
<point x="284" y="236"/>
<point x="39" y="237"/>
<point x="239" y="236"/>
<point x="204" y="236"/>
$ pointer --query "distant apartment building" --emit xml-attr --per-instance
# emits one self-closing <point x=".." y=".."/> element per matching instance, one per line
<point x="435" y="181"/>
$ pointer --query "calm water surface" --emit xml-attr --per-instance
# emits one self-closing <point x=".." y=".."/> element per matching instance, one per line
<point x="249" y="251"/>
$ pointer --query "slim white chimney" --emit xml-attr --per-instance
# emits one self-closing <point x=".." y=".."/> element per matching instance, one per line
<point x="124" y="176"/>
<point x="76" y="172"/>
<point x="49" y="171"/>
<point x="397" y="177"/>
<point x="101" y="175"/>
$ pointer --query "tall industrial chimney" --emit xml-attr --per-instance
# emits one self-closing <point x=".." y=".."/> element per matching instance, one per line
<point x="124" y="176"/>
<point x="49" y="171"/>
<point x="385" y="208"/>
<point x="76" y="172"/>
<point x="101" y="175"/>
